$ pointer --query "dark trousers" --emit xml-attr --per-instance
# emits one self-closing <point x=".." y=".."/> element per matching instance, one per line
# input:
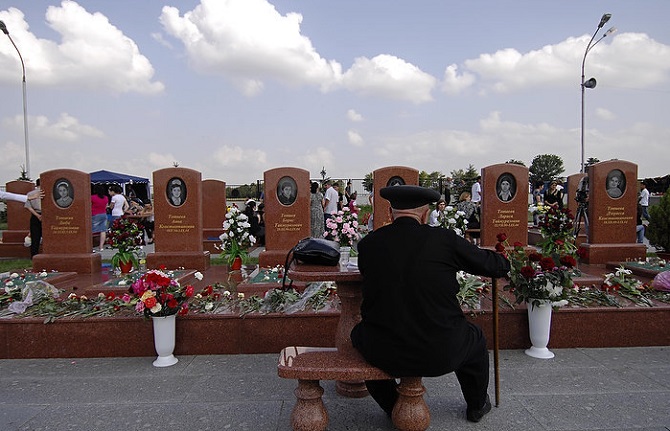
<point x="472" y="374"/>
<point x="35" y="235"/>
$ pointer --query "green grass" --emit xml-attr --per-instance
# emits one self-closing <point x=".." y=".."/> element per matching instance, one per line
<point x="15" y="265"/>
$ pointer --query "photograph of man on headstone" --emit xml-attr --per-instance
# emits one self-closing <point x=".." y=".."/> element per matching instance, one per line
<point x="616" y="183"/>
<point x="63" y="193"/>
<point x="286" y="190"/>
<point x="176" y="191"/>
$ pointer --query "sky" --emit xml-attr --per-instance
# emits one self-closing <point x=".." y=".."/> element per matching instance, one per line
<point x="232" y="88"/>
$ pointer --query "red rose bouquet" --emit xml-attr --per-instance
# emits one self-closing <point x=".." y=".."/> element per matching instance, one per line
<point x="159" y="295"/>
<point x="536" y="277"/>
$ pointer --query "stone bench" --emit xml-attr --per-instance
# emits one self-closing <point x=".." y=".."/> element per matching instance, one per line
<point x="309" y="365"/>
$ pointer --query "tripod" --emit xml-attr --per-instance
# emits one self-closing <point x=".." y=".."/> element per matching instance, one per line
<point x="582" y="215"/>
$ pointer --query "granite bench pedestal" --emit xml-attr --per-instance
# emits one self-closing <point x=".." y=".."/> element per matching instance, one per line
<point x="343" y="364"/>
<point x="309" y="365"/>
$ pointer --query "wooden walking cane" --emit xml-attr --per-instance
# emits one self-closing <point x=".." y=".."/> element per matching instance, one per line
<point x="496" y="340"/>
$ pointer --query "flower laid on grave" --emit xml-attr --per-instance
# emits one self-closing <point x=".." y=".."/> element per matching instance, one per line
<point x="125" y="235"/>
<point x="452" y="218"/>
<point x="471" y="289"/>
<point x="342" y="227"/>
<point x="535" y="277"/>
<point x="236" y="239"/>
<point x="158" y="294"/>
<point x="627" y="286"/>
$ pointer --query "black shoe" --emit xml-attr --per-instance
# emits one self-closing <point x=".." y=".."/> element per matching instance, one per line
<point x="477" y="415"/>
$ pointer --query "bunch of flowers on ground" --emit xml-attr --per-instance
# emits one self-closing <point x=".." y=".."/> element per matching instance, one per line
<point x="627" y="286"/>
<point x="236" y="238"/>
<point x="452" y="218"/>
<point x="126" y="236"/>
<point x="536" y="277"/>
<point x="342" y="227"/>
<point x="472" y="287"/>
<point x="158" y="294"/>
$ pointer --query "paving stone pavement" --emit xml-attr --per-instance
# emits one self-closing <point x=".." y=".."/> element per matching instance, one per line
<point x="580" y="389"/>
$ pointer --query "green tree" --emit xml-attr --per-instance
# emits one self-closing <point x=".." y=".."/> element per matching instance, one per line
<point x="591" y="161"/>
<point x="545" y="167"/>
<point x="432" y="180"/>
<point x="368" y="182"/>
<point x="463" y="180"/>
<point x="658" y="230"/>
<point x="516" y="162"/>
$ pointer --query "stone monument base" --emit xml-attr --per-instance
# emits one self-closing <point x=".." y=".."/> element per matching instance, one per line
<point x="199" y="260"/>
<point x="82" y="263"/>
<point x="597" y="254"/>
<point x="270" y="258"/>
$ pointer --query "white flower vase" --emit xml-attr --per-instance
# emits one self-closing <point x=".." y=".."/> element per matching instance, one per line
<point x="539" y="327"/>
<point x="164" y="340"/>
<point x="345" y="253"/>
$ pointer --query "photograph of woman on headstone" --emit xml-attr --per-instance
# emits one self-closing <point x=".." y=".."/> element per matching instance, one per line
<point x="506" y="187"/>
<point x="616" y="183"/>
<point x="63" y="193"/>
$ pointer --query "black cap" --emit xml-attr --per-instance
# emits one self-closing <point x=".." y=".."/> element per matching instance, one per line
<point x="408" y="197"/>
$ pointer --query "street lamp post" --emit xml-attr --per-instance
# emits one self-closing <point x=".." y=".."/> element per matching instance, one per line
<point x="591" y="83"/>
<point x="3" y="28"/>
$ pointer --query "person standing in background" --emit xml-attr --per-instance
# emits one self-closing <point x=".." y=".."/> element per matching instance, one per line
<point x="476" y="192"/>
<point x="99" y="202"/>
<point x="317" y="220"/>
<point x="644" y="200"/>
<point x="34" y="206"/>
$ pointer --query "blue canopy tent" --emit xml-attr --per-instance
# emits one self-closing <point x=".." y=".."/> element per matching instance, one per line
<point x="140" y="186"/>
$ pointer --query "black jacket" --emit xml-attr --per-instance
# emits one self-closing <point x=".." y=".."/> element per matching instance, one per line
<point x="412" y="323"/>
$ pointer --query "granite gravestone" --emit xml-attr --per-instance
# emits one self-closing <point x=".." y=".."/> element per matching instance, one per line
<point x="385" y="177"/>
<point x="18" y="222"/>
<point x="213" y="213"/>
<point x="178" y="220"/>
<point x="66" y="224"/>
<point x="504" y="206"/>
<point x="612" y="213"/>
<point x="287" y="213"/>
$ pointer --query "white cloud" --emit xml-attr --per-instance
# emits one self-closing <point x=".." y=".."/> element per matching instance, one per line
<point x="93" y="53"/>
<point x="453" y="83"/>
<point x="354" y="116"/>
<point x="355" y="138"/>
<point x="629" y="59"/>
<point x="64" y="129"/>
<point x="605" y="114"/>
<point x="249" y="40"/>
<point x="389" y="77"/>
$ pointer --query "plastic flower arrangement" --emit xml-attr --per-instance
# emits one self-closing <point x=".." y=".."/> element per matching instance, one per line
<point x="453" y="219"/>
<point x="343" y="228"/>
<point x="535" y="277"/>
<point x="236" y="237"/>
<point x="557" y="232"/>
<point x="159" y="295"/>
<point x="125" y="236"/>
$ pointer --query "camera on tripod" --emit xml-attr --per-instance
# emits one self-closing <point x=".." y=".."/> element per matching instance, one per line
<point x="582" y="194"/>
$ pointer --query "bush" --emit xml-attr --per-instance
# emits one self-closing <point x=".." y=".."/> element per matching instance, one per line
<point x="658" y="230"/>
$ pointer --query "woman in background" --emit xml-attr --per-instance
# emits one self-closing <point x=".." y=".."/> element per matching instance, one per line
<point x="316" y="211"/>
<point x="99" y="202"/>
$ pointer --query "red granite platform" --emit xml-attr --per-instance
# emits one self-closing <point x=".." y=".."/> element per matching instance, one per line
<point x="230" y="334"/>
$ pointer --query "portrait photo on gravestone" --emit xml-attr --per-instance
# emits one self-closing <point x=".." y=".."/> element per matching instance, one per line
<point x="63" y="193"/>
<point x="176" y="192"/>
<point x="287" y="191"/>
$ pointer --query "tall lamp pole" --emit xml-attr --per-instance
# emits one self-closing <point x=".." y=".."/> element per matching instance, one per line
<point x="3" y="28"/>
<point x="591" y="83"/>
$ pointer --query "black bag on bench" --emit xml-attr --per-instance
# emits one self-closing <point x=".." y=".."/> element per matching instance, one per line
<point x="313" y="251"/>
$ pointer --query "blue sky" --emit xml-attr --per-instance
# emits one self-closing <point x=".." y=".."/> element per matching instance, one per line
<point x="232" y="88"/>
